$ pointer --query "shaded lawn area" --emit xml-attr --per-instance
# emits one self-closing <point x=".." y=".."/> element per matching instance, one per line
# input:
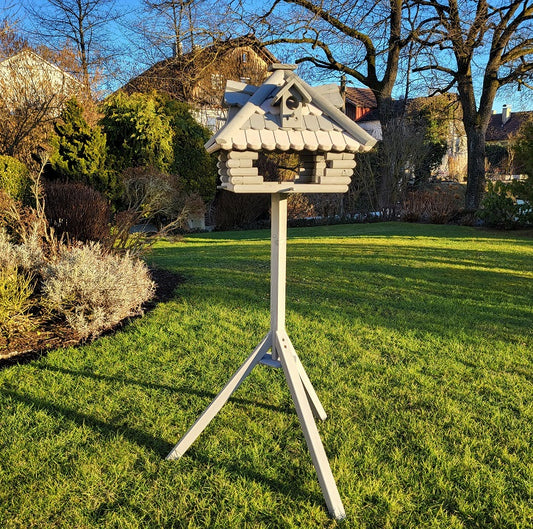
<point x="418" y="340"/>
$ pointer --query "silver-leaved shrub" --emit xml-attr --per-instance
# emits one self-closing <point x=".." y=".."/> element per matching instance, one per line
<point x="94" y="289"/>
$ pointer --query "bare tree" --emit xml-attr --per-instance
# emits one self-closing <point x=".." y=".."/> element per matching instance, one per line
<point x="360" y="38"/>
<point x="10" y="41"/>
<point x="33" y="92"/>
<point x="478" y="47"/>
<point x="84" y="23"/>
<point x="364" y="39"/>
<point x="178" y="27"/>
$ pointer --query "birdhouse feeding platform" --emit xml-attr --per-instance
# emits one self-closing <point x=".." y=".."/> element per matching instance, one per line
<point x="284" y="114"/>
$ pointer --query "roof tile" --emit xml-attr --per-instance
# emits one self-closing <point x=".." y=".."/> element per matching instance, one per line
<point x="257" y="124"/>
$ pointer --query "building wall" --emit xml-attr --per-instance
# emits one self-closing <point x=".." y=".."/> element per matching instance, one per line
<point x="239" y="64"/>
<point x="27" y="79"/>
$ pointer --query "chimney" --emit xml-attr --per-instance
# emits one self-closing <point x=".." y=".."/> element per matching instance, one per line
<point x="506" y="114"/>
<point x="343" y="91"/>
<point x="176" y="49"/>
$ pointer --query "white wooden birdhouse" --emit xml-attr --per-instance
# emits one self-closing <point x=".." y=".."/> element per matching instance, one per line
<point x="285" y="114"/>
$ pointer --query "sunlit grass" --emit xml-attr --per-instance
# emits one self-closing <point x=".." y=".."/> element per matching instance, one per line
<point x="417" y="338"/>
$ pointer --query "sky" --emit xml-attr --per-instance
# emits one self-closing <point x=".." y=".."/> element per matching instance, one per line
<point x="132" y="55"/>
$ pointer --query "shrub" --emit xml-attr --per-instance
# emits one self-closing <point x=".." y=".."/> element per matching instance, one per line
<point x="138" y="131"/>
<point x="77" y="210"/>
<point x="28" y="255"/>
<point x="197" y="168"/>
<point x="15" y="291"/>
<point x="299" y="207"/>
<point x="498" y="207"/>
<point x="523" y="148"/>
<point x="155" y="194"/>
<point x="79" y="152"/>
<point x="436" y="205"/>
<point x="15" y="178"/>
<point x="94" y="289"/>
<point x="523" y="192"/>
<point x="7" y="251"/>
<point x="154" y="130"/>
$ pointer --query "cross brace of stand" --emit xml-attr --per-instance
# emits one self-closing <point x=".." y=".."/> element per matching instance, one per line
<point x="282" y="354"/>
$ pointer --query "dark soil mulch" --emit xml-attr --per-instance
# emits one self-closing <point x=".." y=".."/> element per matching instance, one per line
<point x="33" y="345"/>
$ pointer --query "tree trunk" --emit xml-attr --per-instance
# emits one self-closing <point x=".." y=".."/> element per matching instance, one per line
<point x="475" y="186"/>
<point x="387" y="170"/>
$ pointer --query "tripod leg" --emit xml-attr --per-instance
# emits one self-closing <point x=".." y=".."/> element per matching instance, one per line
<point x="312" y="437"/>
<point x="216" y="405"/>
<point x="318" y="410"/>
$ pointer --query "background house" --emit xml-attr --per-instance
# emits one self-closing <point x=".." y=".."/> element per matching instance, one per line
<point x="34" y="92"/>
<point x="502" y="129"/>
<point x="361" y="106"/>
<point x="505" y="125"/>
<point x="199" y="76"/>
<point x="26" y="78"/>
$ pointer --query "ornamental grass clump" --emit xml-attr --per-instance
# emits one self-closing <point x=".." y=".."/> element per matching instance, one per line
<point x="16" y="289"/>
<point x="93" y="289"/>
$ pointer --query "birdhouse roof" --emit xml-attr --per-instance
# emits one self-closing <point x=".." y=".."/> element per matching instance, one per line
<point x="255" y="122"/>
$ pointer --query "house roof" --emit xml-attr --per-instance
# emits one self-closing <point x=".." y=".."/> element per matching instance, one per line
<point x="255" y="122"/>
<point x="27" y="53"/>
<point x="173" y="74"/>
<point x="499" y="131"/>
<point x="361" y="97"/>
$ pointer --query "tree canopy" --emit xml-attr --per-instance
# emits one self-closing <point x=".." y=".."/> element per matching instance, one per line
<point x="154" y="130"/>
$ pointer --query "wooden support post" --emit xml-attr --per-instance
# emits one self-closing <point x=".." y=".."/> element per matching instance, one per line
<point x="278" y="265"/>
<point x="303" y="394"/>
<point x="312" y="437"/>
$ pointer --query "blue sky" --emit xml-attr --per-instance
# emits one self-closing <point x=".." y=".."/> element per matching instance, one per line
<point x="132" y="60"/>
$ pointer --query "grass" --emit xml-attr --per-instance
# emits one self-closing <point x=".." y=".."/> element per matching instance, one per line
<point x="418" y="340"/>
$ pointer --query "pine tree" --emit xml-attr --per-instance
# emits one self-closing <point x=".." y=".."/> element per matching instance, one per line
<point x="79" y="152"/>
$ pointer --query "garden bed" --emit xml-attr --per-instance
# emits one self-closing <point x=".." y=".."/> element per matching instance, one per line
<point x="51" y="335"/>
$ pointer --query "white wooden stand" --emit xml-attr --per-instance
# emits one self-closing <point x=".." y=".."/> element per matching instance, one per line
<point x="283" y="355"/>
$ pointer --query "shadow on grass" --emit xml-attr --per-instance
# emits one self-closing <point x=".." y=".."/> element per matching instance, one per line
<point x="162" y="447"/>
<point x="289" y="487"/>
<point x="173" y="389"/>
<point x="139" y="437"/>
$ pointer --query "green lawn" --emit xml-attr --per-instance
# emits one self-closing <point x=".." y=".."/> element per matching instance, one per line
<point x="418" y="340"/>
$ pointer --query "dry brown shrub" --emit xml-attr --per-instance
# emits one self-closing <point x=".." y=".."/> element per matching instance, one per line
<point x="156" y="194"/>
<point x="299" y="207"/>
<point x="77" y="211"/>
<point x="437" y="205"/>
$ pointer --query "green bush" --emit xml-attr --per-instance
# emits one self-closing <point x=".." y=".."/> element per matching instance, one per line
<point x="138" y="131"/>
<point x="196" y="168"/>
<point x="498" y="207"/>
<point x="80" y="154"/>
<point x="523" y="149"/>
<point x="94" y="289"/>
<point x="15" y="291"/>
<point x="15" y="178"/>
<point x="523" y="191"/>
<point x="155" y="131"/>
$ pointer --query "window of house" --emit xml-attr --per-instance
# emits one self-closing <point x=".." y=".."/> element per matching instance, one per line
<point x="244" y="56"/>
<point x="217" y="81"/>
